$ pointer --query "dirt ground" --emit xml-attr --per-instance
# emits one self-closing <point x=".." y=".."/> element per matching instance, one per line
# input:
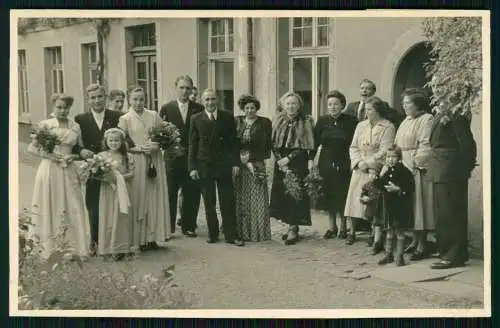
<point x="314" y="274"/>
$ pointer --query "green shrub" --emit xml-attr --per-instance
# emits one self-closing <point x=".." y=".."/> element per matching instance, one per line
<point x="67" y="281"/>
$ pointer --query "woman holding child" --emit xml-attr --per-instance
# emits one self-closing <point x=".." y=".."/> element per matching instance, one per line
<point x="371" y="140"/>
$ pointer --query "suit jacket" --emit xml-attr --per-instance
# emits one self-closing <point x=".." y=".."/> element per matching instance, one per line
<point x="394" y="116"/>
<point x="453" y="149"/>
<point x="170" y="112"/>
<point x="213" y="145"/>
<point x="91" y="134"/>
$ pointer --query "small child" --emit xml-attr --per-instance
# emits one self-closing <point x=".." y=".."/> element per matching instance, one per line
<point x="397" y="185"/>
<point x="114" y="204"/>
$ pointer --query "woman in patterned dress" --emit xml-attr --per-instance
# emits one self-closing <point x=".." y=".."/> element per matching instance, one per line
<point x="149" y="193"/>
<point x="413" y="139"/>
<point x="57" y="195"/>
<point x="334" y="132"/>
<point x="293" y="145"/>
<point x="252" y="199"/>
<point x="371" y="140"/>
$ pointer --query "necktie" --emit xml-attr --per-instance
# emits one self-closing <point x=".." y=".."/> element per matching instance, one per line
<point x="361" y="112"/>
<point x="184" y="112"/>
<point x="211" y="116"/>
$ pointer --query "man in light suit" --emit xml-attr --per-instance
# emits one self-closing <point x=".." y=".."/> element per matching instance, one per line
<point x="213" y="160"/>
<point x="179" y="113"/>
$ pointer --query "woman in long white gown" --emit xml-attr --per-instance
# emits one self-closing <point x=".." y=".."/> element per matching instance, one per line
<point x="57" y="195"/>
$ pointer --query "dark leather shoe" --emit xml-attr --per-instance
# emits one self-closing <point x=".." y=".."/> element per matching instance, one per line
<point x="153" y="245"/>
<point x="386" y="259"/>
<point x="236" y="242"/>
<point x="284" y="237"/>
<point x="190" y="234"/>
<point x="212" y="240"/>
<point x="417" y="256"/>
<point x="329" y="234"/>
<point x="444" y="264"/>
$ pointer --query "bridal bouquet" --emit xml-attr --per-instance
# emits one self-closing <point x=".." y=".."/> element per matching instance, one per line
<point x="167" y="135"/>
<point x="45" y="139"/>
<point x="97" y="168"/>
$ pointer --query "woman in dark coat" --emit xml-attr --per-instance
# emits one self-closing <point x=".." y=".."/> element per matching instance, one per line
<point x="252" y="199"/>
<point x="451" y="161"/>
<point x="334" y="132"/>
<point x="293" y="143"/>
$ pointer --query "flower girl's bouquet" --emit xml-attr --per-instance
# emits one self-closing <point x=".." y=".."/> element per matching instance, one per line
<point x="45" y="139"/>
<point x="98" y="168"/>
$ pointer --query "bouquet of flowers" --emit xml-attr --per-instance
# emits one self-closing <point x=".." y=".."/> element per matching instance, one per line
<point x="292" y="185"/>
<point x="167" y="135"/>
<point x="97" y="168"/>
<point x="45" y="139"/>
<point x="314" y="185"/>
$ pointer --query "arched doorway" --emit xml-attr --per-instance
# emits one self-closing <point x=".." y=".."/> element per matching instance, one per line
<point x="411" y="72"/>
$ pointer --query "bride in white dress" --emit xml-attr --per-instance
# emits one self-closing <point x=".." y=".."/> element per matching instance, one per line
<point x="57" y="195"/>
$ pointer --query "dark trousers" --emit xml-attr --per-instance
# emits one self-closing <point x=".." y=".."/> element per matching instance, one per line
<point x="451" y="217"/>
<point x="179" y="179"/>
<point x="225" y="190"/>
<point x="92" y="202"/>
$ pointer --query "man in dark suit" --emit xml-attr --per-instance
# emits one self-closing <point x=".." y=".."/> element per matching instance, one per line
<point x="367" y="89"/>
<point x="451" y="161"/>
<point x="93" y="124"/>
<point x="179" y="113"/>
<point x="213" y="160"/>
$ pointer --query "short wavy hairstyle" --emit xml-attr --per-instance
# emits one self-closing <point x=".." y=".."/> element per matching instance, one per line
<point x="113" y="94"/>
<point x="248" y="99"/>
<point x="68" y="100"/>
<point x="337" y="94"/>
<point x="291" y="94"/>
<point x="379" y="105"/>
<point x="417" y="97"/>
<point x="95" y="87"/>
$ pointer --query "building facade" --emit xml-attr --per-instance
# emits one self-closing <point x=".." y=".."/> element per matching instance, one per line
<point x="262" y="56"/>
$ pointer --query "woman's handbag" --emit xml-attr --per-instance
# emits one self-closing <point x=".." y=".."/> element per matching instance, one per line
<point x="151" y="168"/>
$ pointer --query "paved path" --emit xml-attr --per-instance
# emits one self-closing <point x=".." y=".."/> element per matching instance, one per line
<point x="312" y="274"/>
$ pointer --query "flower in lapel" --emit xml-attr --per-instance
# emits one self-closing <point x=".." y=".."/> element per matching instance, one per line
<point x="445" y="119"/>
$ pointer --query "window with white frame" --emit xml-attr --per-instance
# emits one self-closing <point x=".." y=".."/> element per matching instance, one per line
<point x="23" y="83"/>
<point x="220" y="33"/>
<point x="54" y="74"/>
<point x="221" y="60"/>
<point x="55" y="59"/>
<point x="309" y="61"/>
<point x="309" y="32"/>
<point x="143" y="50"/>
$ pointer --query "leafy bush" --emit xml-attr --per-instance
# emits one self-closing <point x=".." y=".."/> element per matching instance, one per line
<point x="67" y="281"/>
<point x="456" y="65"/>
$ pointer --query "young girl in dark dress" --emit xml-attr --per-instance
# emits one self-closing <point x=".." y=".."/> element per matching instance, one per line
<point x="397" y="185"/>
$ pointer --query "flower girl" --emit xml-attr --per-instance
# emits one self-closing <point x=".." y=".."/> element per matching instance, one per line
<point x="114" y="203"/>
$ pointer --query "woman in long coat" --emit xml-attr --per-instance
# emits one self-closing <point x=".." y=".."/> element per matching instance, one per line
<point x="451" y="161"/>
<point x="371" y="140"/>
<point x="334" y="132"/>
<point x="413" y="139"/>
<point x="293" y="143"/>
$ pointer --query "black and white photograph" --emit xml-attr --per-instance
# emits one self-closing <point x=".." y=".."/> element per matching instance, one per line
<point x="252" y="163"/>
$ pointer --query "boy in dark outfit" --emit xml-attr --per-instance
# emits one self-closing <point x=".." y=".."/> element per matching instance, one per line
<point x="397" y="185"/>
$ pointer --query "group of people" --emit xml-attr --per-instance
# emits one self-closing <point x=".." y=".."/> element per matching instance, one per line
<point x="396" y="173"/>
